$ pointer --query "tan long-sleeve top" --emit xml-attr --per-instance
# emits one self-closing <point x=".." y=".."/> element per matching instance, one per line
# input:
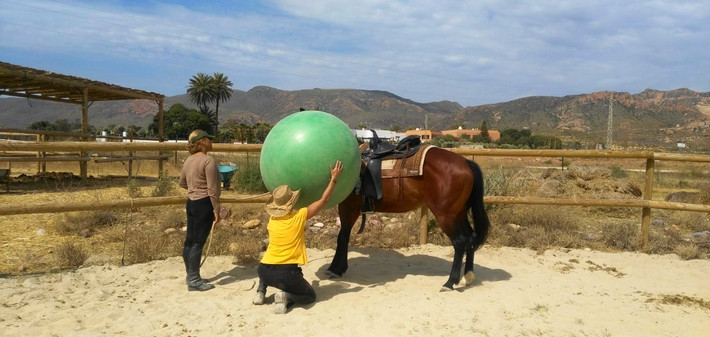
<point x="201" y="178"/>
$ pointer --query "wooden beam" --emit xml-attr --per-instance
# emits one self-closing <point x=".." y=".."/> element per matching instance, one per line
<point x="59" y="207"/>
<point x="111" y="146"/>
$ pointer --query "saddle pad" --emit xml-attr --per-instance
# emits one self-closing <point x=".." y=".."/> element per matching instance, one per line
<point x="406" y="167"/>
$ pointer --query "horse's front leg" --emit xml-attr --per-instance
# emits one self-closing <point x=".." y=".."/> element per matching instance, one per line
<point x="348" y="211"/>
<point x="340" y="260"/>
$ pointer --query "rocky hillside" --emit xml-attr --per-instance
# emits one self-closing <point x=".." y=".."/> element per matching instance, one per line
<point x="651" y="117"/>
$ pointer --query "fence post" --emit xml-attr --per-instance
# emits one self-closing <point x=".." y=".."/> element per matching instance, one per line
<point x="39" y="155"/>
<point x="423" y="224"/>
<point x="647" y="195"/>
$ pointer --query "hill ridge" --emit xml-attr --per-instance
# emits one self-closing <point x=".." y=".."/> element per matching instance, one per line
<point x="649" y="117"/>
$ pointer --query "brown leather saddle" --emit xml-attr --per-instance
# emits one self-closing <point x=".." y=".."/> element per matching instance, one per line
<point x="385" y="160"/>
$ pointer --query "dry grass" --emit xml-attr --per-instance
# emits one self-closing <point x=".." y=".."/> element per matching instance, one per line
<point x="84" y="223"/>
<point x="45" y="242"/>
<point x="147" y="245"/>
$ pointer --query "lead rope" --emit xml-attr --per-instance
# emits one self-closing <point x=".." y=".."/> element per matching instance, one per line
<point x="209" y="240"/>
<point x="209" y="243"/>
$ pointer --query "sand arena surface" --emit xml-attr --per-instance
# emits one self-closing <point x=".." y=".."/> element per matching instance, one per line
<point x="384" y="293"/>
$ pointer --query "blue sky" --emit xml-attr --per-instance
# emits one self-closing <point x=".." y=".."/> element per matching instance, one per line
<point x="471" y="52"/>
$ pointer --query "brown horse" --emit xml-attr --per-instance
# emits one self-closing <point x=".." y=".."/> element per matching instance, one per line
<point x="450" y="186"/>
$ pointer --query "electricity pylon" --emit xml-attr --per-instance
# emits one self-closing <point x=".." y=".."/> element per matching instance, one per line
<point x="609" y="127"/>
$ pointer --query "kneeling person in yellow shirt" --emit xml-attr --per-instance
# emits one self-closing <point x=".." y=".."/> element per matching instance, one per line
<point x="279" y="267"/>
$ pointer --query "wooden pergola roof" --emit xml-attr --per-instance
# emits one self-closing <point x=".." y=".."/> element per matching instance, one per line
<point x="45" y="85"/>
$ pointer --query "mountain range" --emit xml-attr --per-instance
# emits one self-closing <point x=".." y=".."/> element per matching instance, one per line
<point x="648" y="118"/>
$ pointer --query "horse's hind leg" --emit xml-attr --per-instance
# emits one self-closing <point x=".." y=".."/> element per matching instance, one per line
<point x="468" y="267"/>
<point x="455" y="276"/>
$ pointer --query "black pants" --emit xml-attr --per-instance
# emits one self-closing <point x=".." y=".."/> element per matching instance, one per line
<point x="289" y="278"/>
<point x="200" y="215"/>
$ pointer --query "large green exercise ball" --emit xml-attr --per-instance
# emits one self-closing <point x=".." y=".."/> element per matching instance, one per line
<point x="299" y="150"/>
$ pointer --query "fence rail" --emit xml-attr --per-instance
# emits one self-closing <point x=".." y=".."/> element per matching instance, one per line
<point x="646" y="204"/>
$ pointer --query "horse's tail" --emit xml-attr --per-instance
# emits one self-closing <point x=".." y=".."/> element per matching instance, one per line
<point x="481" y="224"/>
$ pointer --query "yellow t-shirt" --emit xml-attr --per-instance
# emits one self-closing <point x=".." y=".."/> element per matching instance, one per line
<point x="287" y="239"/>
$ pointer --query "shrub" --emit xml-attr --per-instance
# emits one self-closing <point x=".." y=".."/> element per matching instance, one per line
<point x="163" y="186"/>
<point x="69" y="255"/>
<point x="247" y="179"/>
<point x="622" y="237"/>
<point x="498" y="181"/>
<point x="148" y="245"/>
<point x="618" y="172"/>
<point x="133" y="189"/>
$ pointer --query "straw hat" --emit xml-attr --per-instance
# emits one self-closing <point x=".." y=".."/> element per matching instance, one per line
<point x="282" y="201"/>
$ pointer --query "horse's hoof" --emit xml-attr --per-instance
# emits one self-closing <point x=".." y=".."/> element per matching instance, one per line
<point x="469" y="277"/>
<point x="332" y="275"/>
<point x="446" y="289"/>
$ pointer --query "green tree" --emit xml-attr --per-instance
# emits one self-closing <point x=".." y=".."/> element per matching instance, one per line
<point x="447" y="141"/>
<point x="62" y="125"/>
<point x="205" y="89"/>
<point x="261" y="130"/>
<point x="41" y="125"/>
<point x="484" y="132"/>
<point x="200" y="90"/>
<point x="241" y="132"/>
<point x="222" y="92"/>
<point x="179" y="121"/>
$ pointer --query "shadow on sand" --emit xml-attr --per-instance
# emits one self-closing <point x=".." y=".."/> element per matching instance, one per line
<point x="380" y="266"/>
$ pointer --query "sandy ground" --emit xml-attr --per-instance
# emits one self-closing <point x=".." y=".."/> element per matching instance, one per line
<point x="385" y="293"/>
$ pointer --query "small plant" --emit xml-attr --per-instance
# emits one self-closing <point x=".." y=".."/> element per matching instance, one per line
<point x="248" y="179"/>
<point x="70" y="255"/>
<point x="133" y="189"/>
<point x="618" y="172"/>
<point x="566" y="162"/>
<point x="498" y="181"/>
<point x="689" y="251"/>
<point x="163" y="186"/>
<point x="622" y="237"/>
<point x="147" y="245"/>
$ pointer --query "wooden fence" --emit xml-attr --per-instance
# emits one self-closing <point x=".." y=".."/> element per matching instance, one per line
<point x="646" y="204"/>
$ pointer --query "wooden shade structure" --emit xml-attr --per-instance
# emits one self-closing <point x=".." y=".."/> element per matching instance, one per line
<point x="45" y="85"/>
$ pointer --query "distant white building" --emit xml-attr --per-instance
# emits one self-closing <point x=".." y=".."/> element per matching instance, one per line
<point x="366" y="135"/>
<point x="681" y="145"/>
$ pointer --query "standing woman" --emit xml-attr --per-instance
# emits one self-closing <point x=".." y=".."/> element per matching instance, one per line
<point x="202" y="180"/>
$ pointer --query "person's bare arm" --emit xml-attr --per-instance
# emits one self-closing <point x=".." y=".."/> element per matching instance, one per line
<point x="317" y="205"/>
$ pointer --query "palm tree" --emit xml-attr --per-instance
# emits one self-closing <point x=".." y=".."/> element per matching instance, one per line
<point x="221" y="92"/>
<point x="200" y="90"/>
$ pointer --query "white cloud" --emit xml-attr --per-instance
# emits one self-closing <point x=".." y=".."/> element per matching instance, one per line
<point x="471" y="52"/>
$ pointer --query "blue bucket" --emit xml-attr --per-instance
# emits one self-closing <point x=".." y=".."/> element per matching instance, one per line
<point x="227" y="172"/>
